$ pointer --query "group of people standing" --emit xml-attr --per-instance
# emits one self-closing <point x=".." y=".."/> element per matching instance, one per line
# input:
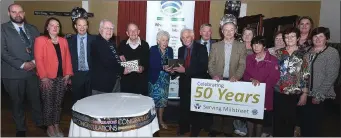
<point x="298" y="71"/>
<point x="42" y="67"/>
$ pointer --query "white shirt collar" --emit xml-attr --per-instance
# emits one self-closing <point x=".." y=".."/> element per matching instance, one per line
<point x="85" y="35"/>
<point x="16" y="26"/>
<point x="138" y="41"/>
<point x="202" y="41"/>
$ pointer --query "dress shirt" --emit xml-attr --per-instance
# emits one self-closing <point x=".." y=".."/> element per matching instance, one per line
<point x="228" y="50"/>
<point x="134" y="46"/>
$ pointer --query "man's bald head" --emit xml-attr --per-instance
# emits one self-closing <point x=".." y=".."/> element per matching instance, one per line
<point x="133" y="31"/>
<point x="15" y="6"/>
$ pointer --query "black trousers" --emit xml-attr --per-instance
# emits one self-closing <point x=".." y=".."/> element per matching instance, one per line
<point x="134" y="83"/>
<point x="190" y="121"/>
<point x="284" y="114"/>
<point x="17" y="90"/>
<point x="312" y="119"/>
<point x="81" y="86"/>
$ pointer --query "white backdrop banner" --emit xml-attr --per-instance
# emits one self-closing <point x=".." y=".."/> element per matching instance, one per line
<point x="170" y="16"/>
<point x="240" y="99"/>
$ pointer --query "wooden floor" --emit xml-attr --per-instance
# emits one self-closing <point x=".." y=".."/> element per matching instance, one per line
<point x="331" y="129"/>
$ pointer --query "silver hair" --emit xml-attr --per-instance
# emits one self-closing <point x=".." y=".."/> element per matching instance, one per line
<point x="103" y="21"/>
<point x="162" y="33"/>
<point x="186" y="29"/>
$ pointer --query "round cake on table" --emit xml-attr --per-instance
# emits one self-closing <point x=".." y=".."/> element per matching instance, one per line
<point x="113" y="112"/>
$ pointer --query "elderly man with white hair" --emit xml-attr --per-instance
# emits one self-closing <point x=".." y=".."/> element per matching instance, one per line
<point x="106" y="69"/>
<point x="159" y="73"/>
<point x="196" y="63"/>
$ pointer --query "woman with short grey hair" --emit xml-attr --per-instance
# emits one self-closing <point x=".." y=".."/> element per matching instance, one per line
<point x="159" y="73"/>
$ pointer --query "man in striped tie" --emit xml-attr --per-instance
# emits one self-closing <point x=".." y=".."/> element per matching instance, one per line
<point x="18" y="67"/>
<point x="79" y="45"/>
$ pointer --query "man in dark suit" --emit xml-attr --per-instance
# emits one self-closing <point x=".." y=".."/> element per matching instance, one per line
<point x="205" y="39"/>
<point x="196" y="64"/>
<point x="79" y="46"/>
<point x="105" y="68"/>
<point x="18" y="67"/>
<point x="206" y="33"/>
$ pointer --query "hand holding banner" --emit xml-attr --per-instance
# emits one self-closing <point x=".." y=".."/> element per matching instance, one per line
<point x="240" y="99"/>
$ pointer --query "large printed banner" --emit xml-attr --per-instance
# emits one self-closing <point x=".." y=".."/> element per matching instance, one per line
<point x="170" y="16"/>
<point x="240" y="99"/>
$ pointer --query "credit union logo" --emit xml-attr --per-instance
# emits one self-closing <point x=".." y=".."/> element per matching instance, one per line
<point x="171" y="8"/>
<point x="254" y="111"/>
<point x="197" y="106"/>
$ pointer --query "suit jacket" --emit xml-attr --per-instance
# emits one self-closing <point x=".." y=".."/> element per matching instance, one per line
<point x="105" y="67"/>
<point x="211" y="43"/>
<point x="13" y="50"/>
<point x="72" y="41"/>
<point x="47" y="60"/>
<point x="216" y="61"/>
<point x="197" y="69"/>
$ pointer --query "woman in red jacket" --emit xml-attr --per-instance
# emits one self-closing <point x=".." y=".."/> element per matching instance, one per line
<point x="52" y="56"/>
<point x="261" y="67"/>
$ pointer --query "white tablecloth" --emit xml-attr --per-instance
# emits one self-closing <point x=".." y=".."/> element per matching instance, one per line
<point x="114" y="105"/>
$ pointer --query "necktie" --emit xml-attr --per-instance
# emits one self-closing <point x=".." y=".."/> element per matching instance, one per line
<point x="81" y="61"/>
<point x="188" y="58"/>
<point x="24" y="36"/>
<point x="205" y="44"/>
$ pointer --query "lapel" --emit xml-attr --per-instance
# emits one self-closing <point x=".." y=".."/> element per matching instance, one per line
<point x="74" y="50"/>
<point x="74" y="46"/>
<point x="221" y="52"/>
<point x="211" y="43"/>
<point x="28" y="33"/>
<point x="193" y="53"/>
<point x="88" y="43"/>
<point x="12" y="28"/>
<point x="17" y="35"/>
<point x="182" y="53"/>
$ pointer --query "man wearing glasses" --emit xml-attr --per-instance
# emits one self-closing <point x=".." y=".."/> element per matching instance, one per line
<point x="105" y="67"/>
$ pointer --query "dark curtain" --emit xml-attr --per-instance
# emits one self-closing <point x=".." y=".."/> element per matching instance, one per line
<point x="201" y="16"/>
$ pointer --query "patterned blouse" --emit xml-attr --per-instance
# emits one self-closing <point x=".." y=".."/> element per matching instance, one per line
<point x="291" y="81"/>
<point x="306" y="45"/>
<point x="320" y="70"/>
